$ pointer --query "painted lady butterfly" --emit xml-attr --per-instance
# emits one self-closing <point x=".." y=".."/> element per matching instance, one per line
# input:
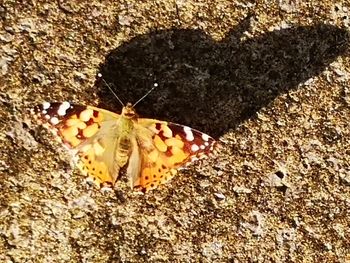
<point x="105" y="142"/>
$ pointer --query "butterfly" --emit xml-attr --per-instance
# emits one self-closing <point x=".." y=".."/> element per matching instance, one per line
<point x="107" y="143"/>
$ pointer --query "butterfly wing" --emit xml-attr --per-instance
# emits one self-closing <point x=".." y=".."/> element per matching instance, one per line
<point x="165" y="147"/>
<point x="89" y="132"/>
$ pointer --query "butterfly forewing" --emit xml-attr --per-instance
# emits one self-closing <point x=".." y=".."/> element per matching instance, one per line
<point x="74" y="123"/>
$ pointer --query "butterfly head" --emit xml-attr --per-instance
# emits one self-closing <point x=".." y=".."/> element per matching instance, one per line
<point x="129" y="111"/>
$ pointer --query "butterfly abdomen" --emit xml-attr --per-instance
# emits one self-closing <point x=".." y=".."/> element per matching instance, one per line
<point x="122" y="150"/>
<point x="124" y="145"/>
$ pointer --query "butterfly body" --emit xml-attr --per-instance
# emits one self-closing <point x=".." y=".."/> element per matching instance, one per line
<point x="150" y="150"/>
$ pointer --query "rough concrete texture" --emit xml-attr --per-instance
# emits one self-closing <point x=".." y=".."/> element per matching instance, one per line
<point x="268" y="78"/>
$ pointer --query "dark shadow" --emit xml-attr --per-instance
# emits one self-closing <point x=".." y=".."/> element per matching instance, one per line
<point x="213" y="86"/>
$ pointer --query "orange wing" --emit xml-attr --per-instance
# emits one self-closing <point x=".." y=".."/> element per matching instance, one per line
<point x="89" y="132"/>
<point x="171" y="146"/>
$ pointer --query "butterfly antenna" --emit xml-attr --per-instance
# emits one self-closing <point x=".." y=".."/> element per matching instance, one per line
<point x="155" y="85"/>
<point x="109" y="87"/>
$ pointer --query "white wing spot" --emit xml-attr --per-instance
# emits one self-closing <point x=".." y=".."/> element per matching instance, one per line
<point x="47" y="116"/>
<point x="46" y="105"/>
<point x="202" y="147"/>
<point x="189" y="134"/>
<point x="206" y="144"/>
<point x="194" y="148"/>
<point x="194" y="158"/>
<point x="205" y="137"/>
<point x="44" y="111"/>
<point x="54" y="120"/>
<point x="63" y="108"/>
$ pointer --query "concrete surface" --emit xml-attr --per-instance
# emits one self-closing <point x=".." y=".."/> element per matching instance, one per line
<point x="268" y="78"/>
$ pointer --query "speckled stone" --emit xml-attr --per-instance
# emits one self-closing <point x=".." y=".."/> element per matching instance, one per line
<point x="270" y="79"/>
